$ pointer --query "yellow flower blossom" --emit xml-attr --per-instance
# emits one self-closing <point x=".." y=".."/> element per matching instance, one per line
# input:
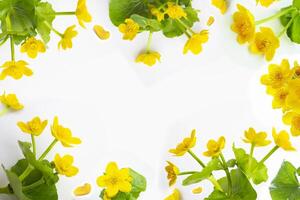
<point x="257" y="139"/>
<point x="11" y="101"/>
<point x="129" y="29"/>
<point x="296" y="70"/>
<point x="194" y="43"/>
<point x="175" y="11"/>
<point x="265" y="42"/>
<point x="64" y="165"/>
<point x="220" y="4"/>
<point x="266" y="3"/>
<point x="101" y="32"/>
<point x="172" y="172"/>
<point x="174" y="196"/>
<point x="83" y="190"/>
<point x="278" y="75"/>
<point x="243" y="24"/>
<point x="197" y="190"/>
<point x="282" y="139"/>
<point x="34" y="127"/>
<point x="292" y="100"/>
<point x="214" y="148"/>
<point x="279" y="97"/>
<point x="82" y="13"/>
<point x="148" y="58"/>
<point x="15" y="69"/>
<point x="157" y="13"/>
<point x="64" y="135"/>
<point x="293" y="119"/>
<point x="115" y="180"/>
<point x="185" y="145"/>
<point x="210" y="21"/>
<point x="32" y="47"/>
<point x="66" y="38"/>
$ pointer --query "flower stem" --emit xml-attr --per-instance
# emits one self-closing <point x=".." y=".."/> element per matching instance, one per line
<point x="223" y="161"/>
<point x="268" y="154"/>
<point x="25" y="173"/>
<point x="34" y="185"/>
<point x="187" y="173"/>
<point x="149" y="41"/>
<point x="65" y="13"/>
<point x="186" y="26"/>
<point x="196" y="158"/>
<point x="5" y="190"/>
<point x="250" y="158"/>
<point x="287" y="26"/>
<point x="215" y="183"/>
<point x="12" y="47"/>
<point x="33" y="145"/>
<point x="277" y="15"/>
<point x="53" y="29"/>
<point x="48" y="149"/>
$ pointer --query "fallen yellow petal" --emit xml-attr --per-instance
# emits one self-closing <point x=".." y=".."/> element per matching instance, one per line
<point x="83" y="190"/>
<point x="210" y="21"/>
<point x="101" y="32"/>
<point x="197" y="190"/>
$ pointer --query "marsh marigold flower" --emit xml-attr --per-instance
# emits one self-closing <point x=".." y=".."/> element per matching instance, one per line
<point x="129" y="29"/>
<point x="15" y="69"/>
<point x="292" y="100"/>
<point x="296" y="70"/>
<point x="172" y="172"/>
<point x="82" y="13"/>
<point x="157" y="13"/>
<point x="265" y="42"/>
<point x="174" y="196"/>
<point x="148" y="58"/>
<point x="282" y="139"/>
<point x="115" y="180"/>
<point x="32" y="47"/>
<point x="101" y="32"/>
<point x="257" y="139"/>
<point x="293" y="119"/>
<point x="265" y="3"/>
<point x="185" y="145"/>
<point x="64" y="165"/>
<point x="11" y="101"/>
<point x="66" y="38"/>
<point x="175" y="11"/>
<point x="83" y="190"/>
<point x="64" y="135"/>
<point x="214" y="148"/>
<point x="243" y="24"/>
<point x="279" y="97"/>
<point x="194" y="43"/>
<point x="34" y="127"/>
<point x="220" y="4"/>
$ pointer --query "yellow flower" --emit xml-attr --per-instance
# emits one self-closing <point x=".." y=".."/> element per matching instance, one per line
<point x="172" y="172"/>
<point x="194" y="43"/>
<point x="115" y="180"/>
<point x="214" y="148"/>
<point x="175" y="11"/>
<point x="32" y="47"/>
<point x="243" y="24"/>
<point x="296" y="70"/>
<point x="278" y="74"/>
<point x="292" y="100"/>
<point x="257" y="139"/>
<point x="129" y="29"/>
<point x="15" y="69"/>
<point x="282" y="139"/>
<point x="64" y="165"/>
<point x="210" y="21"/>
<point x="220" y="4"/>
<point x="148" y="58"/>
<point x="185" y="145"/>
<point x="83" y="190"/>
<point x="279" y="97"/>
<point x="266" y="3"/>
<point x="66" y="38"/>
<point x="265" y="42"/>
<point x="197" y="190"/>
<point x="293" y="119"/>
<point x="174" y="196"/>
<point x="101" y="32"/>
<point x="64" y="135"/>
<point x="82" y="13"/>
<point x="11" y="101"/>
<point x="34" y="127"/>
<point x="157" y="13"/>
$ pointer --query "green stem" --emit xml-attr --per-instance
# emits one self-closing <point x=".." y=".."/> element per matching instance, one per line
<point x="215" y="183"/>
<point x="33" y="145"/>
<point x="5" y="190"/>
<point x="4" y="40"/>
<point x="287" y="26"/>
<point x="53" y="29"/>
<point x="186" y="26"/>
<point x="65" y="13"/>
<point x="12" y="47"/>
<point x="196" y="158"/>
<point x="227" y="174"/>
<point x="34" y="185"/>
<point x="187" y="173"/>
<point x="48" y="149"/>
<point x="251" y="156"/>
<point x="277" y="15"/>
<point x="269" y="154"/>
<point x="149" y="41"/>
<point x="25" y="173"/>
<point x="4" y="111"/>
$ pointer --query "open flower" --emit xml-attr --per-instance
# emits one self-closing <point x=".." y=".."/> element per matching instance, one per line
<point x="214" y="148"/>
<point x="129" y="29"/>
<point x="292" y="100"/>
<point x="257" y="139"/>
<point x="185" y="145"/>
<point x="64" y="135"/>
<point x="34" y="127"/>
<point x="243" y="24"/>
<point x="64" y="165"/>
<point x="157" y="13"/>
<point x="265" y="42"/>
<point x="101" y="32"/>
<point x="15" y="69"/>
<point x="278" y="74"/>
<point x="220" y="4"/>
<point x="11" y="101"/>
<point x="66" y="38"/>
<point x="172" y="172"/>
<point x="174" y="196"/>
<point x="293" y="119"/>
<point x="279" y="97"/>
<point x="194" y="43"/>
<point x="82" y="13"/>
<point x="32" y="47"/>
<point x="115" y="180"/>
<point x="282" y="139"/>
<point x="83" y="190"/>
<point x="265" y="3"/>
<point x="175" y="11"/>
<point x="148" y="58"/>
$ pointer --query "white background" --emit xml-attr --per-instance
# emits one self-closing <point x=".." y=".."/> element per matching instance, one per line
<point x="133" y="114"/>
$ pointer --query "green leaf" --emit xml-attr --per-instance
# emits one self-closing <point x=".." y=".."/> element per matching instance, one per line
<point x="44" y="13"/>
<point x="293" y="31"/>
<point x="204" y="174"/>
<point x="285" y="19"/>
<point x="285" y="185"/>
<point x="296" y="3"/>
<point x="139" y="183"/>
<point x="146" y="24"/>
